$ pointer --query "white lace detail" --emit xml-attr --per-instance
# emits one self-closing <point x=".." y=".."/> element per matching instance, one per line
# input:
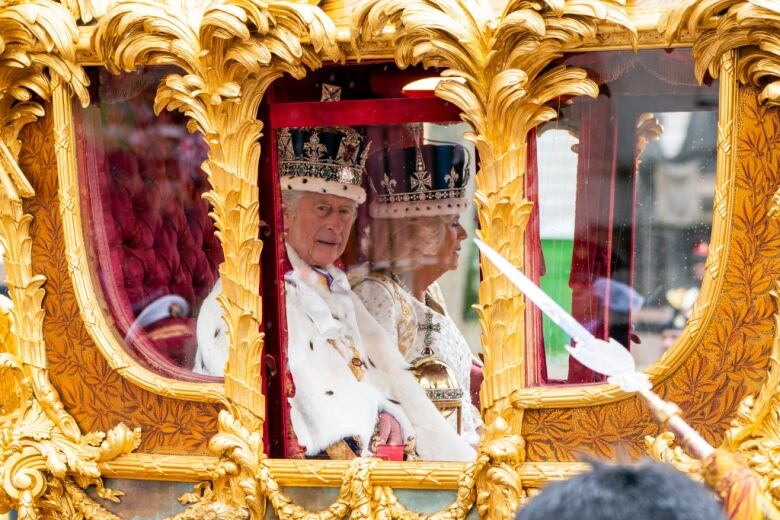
<point x="399" y="313"/>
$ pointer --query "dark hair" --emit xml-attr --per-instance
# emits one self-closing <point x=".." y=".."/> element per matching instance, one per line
<point x="647" y="491"/>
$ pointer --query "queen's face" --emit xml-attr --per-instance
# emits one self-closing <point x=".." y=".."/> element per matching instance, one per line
<point x="453" y="235"/>
<point x="318" y="227"/>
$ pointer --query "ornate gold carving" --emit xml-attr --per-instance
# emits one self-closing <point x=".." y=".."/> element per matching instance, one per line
<point x="711" y="288"/>
<point x="746" y="26"/>
<point x="94" y="394"/>
<point x="147" y="466"/>
<point x="609" y="37"/>
<point x="361" y="494"/>
<point x="500" y="489"/>
<point x="496" y="73"/>
<point x="228" y="58"/>
<point x="648" y="129"/>
<point x="322" y="473"/>
<point x="87" y="10"/>
<point x="44" y="457"/>
<point x="755" y="432"/>
<point x="755" y="418"/>
<point x="87" y="289"/>
<point x="228" y="55"/>
<point x="661" y="448"/>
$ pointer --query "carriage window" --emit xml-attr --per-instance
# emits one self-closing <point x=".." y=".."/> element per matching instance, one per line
<point x="376" y="221"/>
<point x="147" y="226"/>
<point x="378" y="347"/>
<point x="625" y="185"/>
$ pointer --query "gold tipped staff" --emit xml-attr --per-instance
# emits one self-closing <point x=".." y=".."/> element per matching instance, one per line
<point x="723" y="471"/>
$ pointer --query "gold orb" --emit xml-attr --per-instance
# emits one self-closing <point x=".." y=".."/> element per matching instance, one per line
<point x="440" y="384"/>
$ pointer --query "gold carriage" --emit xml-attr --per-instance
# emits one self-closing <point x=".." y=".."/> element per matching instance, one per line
<point x="626" y="158"/>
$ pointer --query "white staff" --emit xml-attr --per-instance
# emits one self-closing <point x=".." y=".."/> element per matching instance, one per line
<point x="605" y="357"/>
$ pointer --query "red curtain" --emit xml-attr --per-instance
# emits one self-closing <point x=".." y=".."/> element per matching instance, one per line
<point x="593" y="221"/>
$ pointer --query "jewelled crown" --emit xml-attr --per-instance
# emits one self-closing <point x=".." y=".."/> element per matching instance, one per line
<point x="422" y="180"/>
<point x="323" y="160"/>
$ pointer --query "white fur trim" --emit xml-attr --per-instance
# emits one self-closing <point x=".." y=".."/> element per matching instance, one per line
<point x="329" y="403"/>
<point x="319" y="418"/>
<point x="418" y="208"/>
<point x="211" y="332"/>
<point x="318" y="185"/>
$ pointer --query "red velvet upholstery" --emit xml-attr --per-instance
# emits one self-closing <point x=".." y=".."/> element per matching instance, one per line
<point x="162" y="230"/>
<point x="150" y="228"/>
<point x="476" y="377"/>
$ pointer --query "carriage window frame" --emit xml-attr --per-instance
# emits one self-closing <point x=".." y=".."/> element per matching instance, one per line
<point x="289" y="114"/>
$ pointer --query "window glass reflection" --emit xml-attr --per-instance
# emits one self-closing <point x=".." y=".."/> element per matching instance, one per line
<point x="625" y="186"/>
<point x="147" y="226"/>
<point x="368" y="325"/>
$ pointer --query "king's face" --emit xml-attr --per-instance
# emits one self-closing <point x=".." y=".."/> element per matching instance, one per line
<point x="318" y="227"/>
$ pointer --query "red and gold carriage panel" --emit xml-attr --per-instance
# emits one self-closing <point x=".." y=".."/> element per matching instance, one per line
<point x="623" y="154"/>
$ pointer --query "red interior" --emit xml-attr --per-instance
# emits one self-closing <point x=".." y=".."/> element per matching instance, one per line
<point x="148" y="226"/>
<point x="374" y="98"/>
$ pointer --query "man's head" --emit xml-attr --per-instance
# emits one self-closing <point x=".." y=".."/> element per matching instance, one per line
<point x="641" y="492"/>
<point x="317" y="225"/>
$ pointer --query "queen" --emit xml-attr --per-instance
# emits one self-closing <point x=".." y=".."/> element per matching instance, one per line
<point x="415" y="237"/>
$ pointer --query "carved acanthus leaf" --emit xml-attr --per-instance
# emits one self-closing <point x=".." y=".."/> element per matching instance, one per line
<point x="497" y="71"/>
<point x="749" y="26"/>
<point x="43" y="465"/>
<point x="754" y="432"/>
<point x="228" y="52"/>
<point x="42" y="450"/>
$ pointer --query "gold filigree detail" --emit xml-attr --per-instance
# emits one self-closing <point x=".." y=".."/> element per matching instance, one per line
<point x="662" y="448"/>
<point x="755" y="429"/>
<point x="206" y="506"/>
<point x="648" y="129"/>
<point x="747" y="26"/>
<point x="44" y="458"/>
<point x="87" y="10"/>
<point x="500" y="490"/>
<point x="87" y="289"/>
<point x="45" y="469"/>
<point x="229" y="53"/>
<point x="359" y="495"/>
<point x="497" y="73"/>
<point x="755" y="432"/>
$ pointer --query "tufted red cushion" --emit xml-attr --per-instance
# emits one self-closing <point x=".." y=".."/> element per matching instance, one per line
<point x="150" y="226"/>
<point x="163" y="231"/>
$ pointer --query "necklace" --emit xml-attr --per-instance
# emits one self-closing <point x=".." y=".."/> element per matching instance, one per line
<point x="406" y="287"/>
<point x="427" y="327"/>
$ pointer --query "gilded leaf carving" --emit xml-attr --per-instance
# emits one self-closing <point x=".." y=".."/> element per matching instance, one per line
<point x="94" y="394"/>
<point x="42" y="450"/>
<point x="496" y="71"/>
<point x="749" y="26"/>
<point x="730" y="360"/>
<point x="228" y="53"/>
<point x="753" y="434"/>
